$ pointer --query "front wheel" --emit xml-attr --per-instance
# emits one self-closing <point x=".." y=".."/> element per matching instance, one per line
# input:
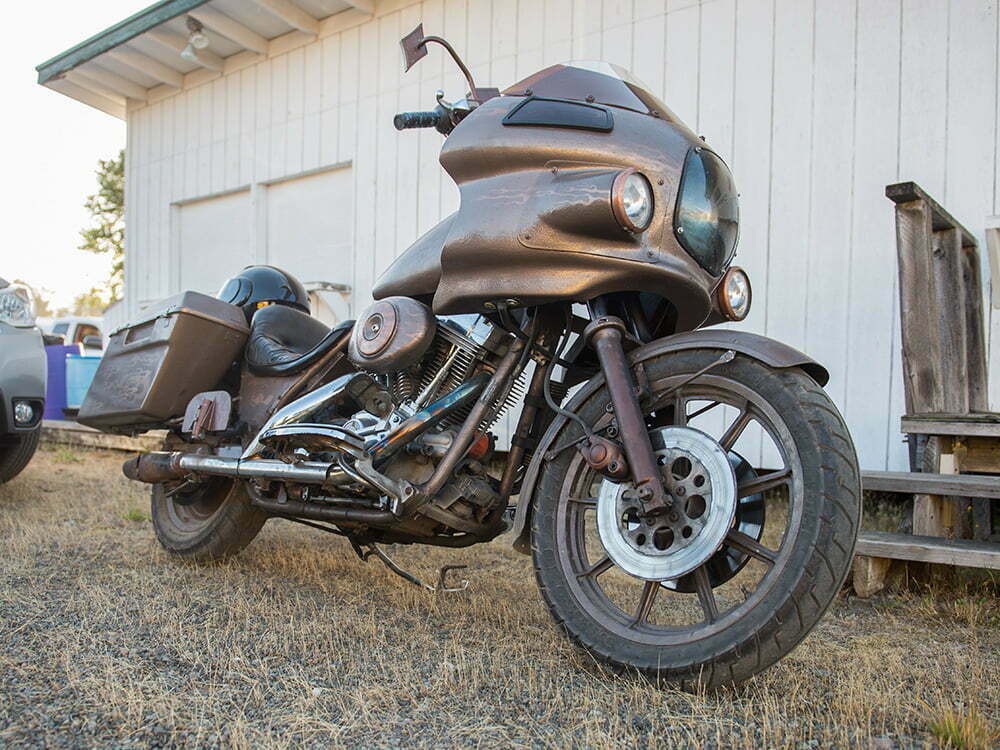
<point x="16" y="453"/>
<point x="756" y="544"/>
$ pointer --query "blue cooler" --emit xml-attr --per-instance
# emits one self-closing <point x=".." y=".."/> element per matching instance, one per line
<point x="55" y="391"/>
<point x="79" y="373"/>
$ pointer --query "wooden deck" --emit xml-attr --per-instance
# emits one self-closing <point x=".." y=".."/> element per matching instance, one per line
<point x="908" y="482"/>
<point x="929" y="549"/>
<point x="61" y="432"/>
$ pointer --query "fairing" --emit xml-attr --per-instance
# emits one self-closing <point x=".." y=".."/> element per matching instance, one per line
<point x="536" y="223"/>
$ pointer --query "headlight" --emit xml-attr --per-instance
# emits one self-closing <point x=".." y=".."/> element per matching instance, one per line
<point x="735" y="294"/>
<point x="707" y="217"/>
<point x="632" y="201"/>
<point x="16" y="307"/>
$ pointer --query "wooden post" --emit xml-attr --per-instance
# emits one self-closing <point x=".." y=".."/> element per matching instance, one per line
<point x="939" y="515"/>
<point x="950" y="304"/>
<point x="975" y="335"/>
<point x="868" y="575"/>
<point x="918" y="308"/>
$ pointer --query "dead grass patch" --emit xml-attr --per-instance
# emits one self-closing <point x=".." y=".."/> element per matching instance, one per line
<point x="105" y="639"/>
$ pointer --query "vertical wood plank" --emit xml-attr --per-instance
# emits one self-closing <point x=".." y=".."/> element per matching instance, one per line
<point x="791" y="167"/>
<point x="918" y="308"/>
<point x="681" y="63"/>
<point x="950" y="301"/>
<point x="871" y="268"/>
<point x="649" y="34"/>
<point x="750" y="161"/>
<point x="831" y="201"/>
<point x="716" y="71"/>
<point x="923" y="86"/>
<point x="976" y="313"/>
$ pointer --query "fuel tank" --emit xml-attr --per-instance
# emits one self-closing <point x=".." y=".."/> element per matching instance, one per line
<point x="536" y="222"/>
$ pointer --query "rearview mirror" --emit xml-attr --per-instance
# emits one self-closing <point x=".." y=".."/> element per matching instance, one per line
<point x="92" y="342"/>
<point x="413" y="47"/>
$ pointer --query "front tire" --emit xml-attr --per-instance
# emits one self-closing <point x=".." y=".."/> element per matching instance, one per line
<point x="15" y="455"/>
<point x="210" y="523"/>
<point x="719" y="623"/>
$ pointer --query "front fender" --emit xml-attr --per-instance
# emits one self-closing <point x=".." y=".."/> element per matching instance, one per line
<point x="770" y="352"/>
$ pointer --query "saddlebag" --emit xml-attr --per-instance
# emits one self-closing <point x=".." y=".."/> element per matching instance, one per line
<point x="152" y="368"/>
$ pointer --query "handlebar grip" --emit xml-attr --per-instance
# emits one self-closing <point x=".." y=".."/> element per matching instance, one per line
<point x="409" y="120"/>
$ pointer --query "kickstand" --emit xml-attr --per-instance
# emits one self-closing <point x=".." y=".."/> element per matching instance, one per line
<point x="441" y="584"/>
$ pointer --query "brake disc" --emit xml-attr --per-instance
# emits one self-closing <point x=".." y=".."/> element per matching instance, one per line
<point x="749" y="520"/>
<point x="697" y="473"/>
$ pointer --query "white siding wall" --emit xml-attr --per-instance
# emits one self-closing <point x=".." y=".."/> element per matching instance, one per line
<point x="816" y="106"/>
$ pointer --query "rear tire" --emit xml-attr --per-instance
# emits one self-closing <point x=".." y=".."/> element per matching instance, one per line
<point x="212" y="523"/>
<point x="16" y="455"/>
<point x="803" y="574"/>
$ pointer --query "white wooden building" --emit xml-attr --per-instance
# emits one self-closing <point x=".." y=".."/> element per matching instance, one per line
<point x="275" y="143"/>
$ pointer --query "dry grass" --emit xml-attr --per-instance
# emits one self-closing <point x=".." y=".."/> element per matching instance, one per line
<point x="105" y="639"/>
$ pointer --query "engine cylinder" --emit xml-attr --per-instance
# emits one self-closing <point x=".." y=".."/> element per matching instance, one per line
<point x="392" y="334"/>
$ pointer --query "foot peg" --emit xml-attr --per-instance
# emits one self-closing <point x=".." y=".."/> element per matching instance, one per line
<point x="441" y="585"/>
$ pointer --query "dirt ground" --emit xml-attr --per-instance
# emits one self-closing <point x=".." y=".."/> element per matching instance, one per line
<point x="107" y="641"/>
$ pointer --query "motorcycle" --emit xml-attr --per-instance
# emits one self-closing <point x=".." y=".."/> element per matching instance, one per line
<point x="689" y="494"/>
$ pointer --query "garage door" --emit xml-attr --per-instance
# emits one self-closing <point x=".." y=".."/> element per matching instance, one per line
<point x="310" y="227"/>
<point x="214" y="239"/>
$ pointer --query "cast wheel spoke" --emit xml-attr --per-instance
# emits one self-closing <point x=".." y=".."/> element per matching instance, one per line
<point x="649" y="590"/>
<point x="705" y="594"/>
<point x="703" y="409"/>
<point x="733" y="432"/>
<point x="750" y="546"/>
<point x="597" y="568"/>
<point x="764" y="482"/>
<point x="680" y="411"/>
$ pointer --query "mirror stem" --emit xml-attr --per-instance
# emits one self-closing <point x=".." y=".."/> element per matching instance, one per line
<point x="473" y="91"/>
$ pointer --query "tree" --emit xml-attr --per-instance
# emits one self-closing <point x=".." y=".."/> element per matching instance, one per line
<point x="107" y="207"/>
<point x="90" y="303"/>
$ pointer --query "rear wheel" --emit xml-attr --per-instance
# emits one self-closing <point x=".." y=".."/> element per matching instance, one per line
<point x="15" y="454"/>
<point x="211" y="522"/>
<point x="745" y="561"/>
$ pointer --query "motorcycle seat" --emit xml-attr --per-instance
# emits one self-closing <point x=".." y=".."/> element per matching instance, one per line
<point x="285" y="341"/>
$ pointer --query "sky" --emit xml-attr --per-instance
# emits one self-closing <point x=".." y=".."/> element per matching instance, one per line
<point x="49" y="147"/>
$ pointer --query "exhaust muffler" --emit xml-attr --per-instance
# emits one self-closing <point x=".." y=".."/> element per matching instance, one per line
<point x="162" y="466"/>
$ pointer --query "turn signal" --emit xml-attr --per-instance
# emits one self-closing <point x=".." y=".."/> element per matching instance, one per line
<point x="735" y="294"/>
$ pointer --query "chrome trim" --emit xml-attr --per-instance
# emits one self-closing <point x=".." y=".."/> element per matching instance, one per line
<point x="305" y="406"/>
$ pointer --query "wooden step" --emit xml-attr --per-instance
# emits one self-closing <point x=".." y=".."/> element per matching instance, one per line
<point x="929" y="549"/>
<point x="963" y="485"/>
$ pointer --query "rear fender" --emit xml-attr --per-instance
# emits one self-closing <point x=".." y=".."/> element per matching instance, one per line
<point x="770" y="352"/>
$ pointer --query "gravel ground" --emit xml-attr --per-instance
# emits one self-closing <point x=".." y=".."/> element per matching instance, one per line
<point x="105" y="641"/>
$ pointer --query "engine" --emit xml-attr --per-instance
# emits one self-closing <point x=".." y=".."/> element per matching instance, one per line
<point x="425" y="364"/>
<point x="419" y="358"/>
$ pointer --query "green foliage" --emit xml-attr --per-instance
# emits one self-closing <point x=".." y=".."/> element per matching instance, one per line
<point x="66" y="456"/>
<point x="94" y="302"/>
<point x="963" y="729"/>
<point x="135" y="514"/>
<point x="107" y="207"/>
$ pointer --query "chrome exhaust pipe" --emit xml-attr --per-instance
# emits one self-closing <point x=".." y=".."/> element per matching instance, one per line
<point x="164" y="467"/>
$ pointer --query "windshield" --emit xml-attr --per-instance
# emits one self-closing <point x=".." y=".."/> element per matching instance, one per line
<point x="592" y="81"/>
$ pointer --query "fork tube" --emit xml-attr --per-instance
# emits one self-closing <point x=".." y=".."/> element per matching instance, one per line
<point x="605" y="335"/>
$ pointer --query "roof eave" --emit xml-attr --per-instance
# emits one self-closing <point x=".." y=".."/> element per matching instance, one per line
<point x="113" y="36"/>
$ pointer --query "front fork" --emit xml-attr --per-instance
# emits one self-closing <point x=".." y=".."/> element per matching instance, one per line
<point x="606" y="334"/>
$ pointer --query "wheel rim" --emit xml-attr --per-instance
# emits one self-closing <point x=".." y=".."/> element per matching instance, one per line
<point x="630" y="614"/>
<point x="190" y="512"/>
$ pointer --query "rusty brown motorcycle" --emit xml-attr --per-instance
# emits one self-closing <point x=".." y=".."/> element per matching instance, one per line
<point x="688" y="493"/>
